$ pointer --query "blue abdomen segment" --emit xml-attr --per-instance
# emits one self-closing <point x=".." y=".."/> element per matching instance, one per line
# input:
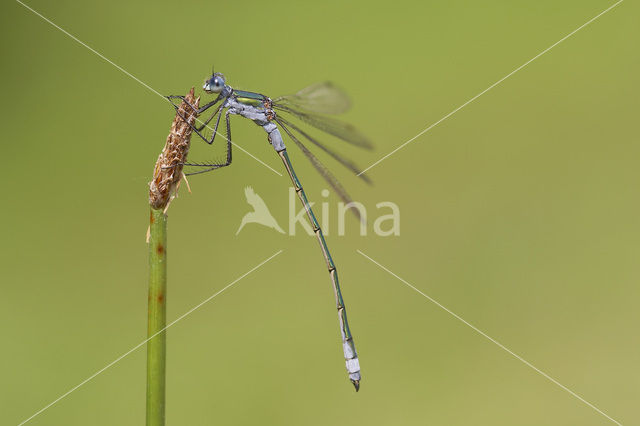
<point x="275" y="138"/>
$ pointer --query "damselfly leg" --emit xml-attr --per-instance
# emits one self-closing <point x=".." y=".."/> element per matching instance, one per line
<point x="208" y="133"/>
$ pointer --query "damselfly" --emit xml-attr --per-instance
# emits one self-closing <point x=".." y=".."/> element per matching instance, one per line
<point x="310" y="105"/>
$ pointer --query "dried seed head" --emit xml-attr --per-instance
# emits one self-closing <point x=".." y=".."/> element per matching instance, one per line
<point x="168" y="170"/>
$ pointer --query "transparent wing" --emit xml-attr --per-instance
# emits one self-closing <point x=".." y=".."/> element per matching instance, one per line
<point x="330" y="125"/>
<point x="339" y="158"/>
<point x="323" y="98"/>
<point x="324" y="172"/>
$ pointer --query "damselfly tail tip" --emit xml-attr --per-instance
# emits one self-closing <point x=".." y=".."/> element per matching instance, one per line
<point x="356" y="384"/>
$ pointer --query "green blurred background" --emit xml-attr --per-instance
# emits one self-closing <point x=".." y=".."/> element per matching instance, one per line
<point x="519" y="213"/>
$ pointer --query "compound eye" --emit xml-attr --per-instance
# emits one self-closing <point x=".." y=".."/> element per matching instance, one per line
<point x="217" y="83"/>
<point x="214" y="84"/>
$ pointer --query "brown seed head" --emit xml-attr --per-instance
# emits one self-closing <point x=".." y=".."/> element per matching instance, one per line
<point x="168" y="170"/>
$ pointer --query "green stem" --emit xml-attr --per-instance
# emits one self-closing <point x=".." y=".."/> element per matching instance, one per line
<point x="156" y="346"/>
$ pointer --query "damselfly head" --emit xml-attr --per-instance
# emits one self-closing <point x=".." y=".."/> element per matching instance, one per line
<point x="214" y="84"/>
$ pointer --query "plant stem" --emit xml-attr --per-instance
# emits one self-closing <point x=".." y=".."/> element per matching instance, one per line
<point x="163" y="188"/>
<point x="156" y="346"/>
